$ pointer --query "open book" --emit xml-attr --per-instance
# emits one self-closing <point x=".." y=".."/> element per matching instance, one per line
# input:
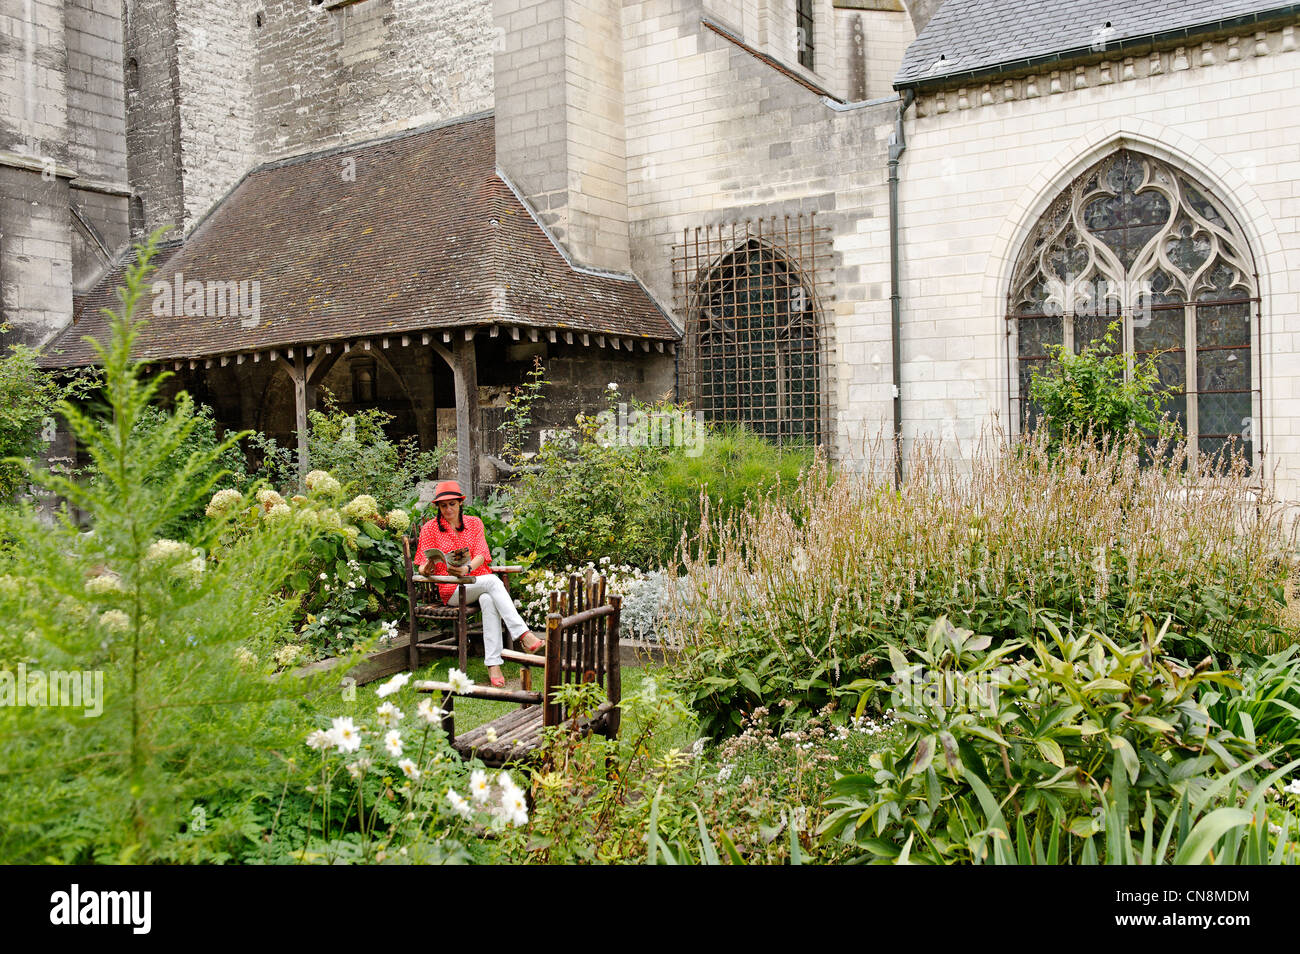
<point x="433" y="555"/>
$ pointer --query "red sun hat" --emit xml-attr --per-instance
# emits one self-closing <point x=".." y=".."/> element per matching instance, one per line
<point x="447" y="490"/>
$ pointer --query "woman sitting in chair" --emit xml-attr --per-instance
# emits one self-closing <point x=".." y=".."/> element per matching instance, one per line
<point x="452" y="531"/>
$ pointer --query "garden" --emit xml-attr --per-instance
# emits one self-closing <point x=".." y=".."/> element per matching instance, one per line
<point x="1074" y="647"/>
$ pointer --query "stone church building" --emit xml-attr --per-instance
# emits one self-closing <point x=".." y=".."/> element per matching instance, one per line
<point x="828" y="219"/>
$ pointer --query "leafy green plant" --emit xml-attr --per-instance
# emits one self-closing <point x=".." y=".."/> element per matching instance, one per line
<point x="154" y="622"/>
<point x="356" y="451"/>
<point x="28" y="402"/>
<point x="1093" y="394"/>
<point x="1054" y="737"/>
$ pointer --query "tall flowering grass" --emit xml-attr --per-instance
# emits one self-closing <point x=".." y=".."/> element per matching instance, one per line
<point x="804" y="594"/>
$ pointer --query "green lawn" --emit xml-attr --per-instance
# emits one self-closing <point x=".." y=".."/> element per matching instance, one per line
<point x="469" y="712"/>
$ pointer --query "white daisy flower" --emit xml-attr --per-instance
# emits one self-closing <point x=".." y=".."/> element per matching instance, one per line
<point x="393" y="742"/>
<point x="427" y="711"/>
<point x="409" y="769"/>
<point x="459" y="682"/>
<point x="388" y="715"/>
<point x="345" y="735"/>
<point x="394" y="684"/>
<point x="458" y="804"/>
<point x="320" y="739"/>
<point x="479" y="789"/>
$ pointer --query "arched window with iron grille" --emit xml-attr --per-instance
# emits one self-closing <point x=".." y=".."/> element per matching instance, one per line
<point x="754" y="351"/>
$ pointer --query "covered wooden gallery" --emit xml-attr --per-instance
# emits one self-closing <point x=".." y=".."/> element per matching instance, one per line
<point x="405" y="274"/>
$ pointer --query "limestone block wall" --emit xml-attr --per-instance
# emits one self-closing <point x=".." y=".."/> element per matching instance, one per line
<point x="560" y="120"/>
<point x="215" y="40"/>
<point x="717" y="136"/>
<point x="331" y="73"/>
<point x="62" y="147"/>
<point x="983" y="163"/>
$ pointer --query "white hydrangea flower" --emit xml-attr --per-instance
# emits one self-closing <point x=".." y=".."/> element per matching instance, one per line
<point x="285" y="655"/>
<point x="398" y="520"/>
<point x="312" y="477"/>
<point x="106" y="582"/>
<point x="361" y="507"/>
<point x="222" y="501"/>
<point x="161" y="550"/>
<point x="268" y="498"/>
<point x="115" y="620"/>
<point x="276" y="512"/>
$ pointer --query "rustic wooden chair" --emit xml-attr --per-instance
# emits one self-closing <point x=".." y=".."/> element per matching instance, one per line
<point x="581" y="646"/>
<point x="425" y="606"/>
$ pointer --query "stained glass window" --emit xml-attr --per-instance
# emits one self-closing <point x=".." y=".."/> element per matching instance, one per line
<point x="1134" y="240"/>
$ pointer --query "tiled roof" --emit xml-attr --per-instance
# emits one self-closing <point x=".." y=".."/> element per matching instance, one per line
<point x="974" y="36"/>
<point x="412" y="233"/>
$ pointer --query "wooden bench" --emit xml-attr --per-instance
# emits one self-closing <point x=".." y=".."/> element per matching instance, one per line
<point x="581" y="646"/>
<point x="426" y="606"/>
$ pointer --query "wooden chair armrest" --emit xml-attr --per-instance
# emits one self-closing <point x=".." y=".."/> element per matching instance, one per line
<point x="441" y="579"/>
<point x="524" y="659"/>
<point x="510" y="568"/>
<point x="483" y="692"/>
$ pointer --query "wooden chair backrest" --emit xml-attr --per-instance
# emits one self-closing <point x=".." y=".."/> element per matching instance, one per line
<point x="581" y="642"/>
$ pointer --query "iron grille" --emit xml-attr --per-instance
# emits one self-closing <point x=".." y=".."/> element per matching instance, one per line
<point x="755" y="352"/>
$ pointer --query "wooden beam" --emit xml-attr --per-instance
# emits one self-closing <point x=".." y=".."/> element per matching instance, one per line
<point x="659" y="346"/>
<point x="493" y="331"/>
<point x="600" y="340"/>
<point x="586" y="339"/>
<point x="384" y="343"/>
<point x="176" y="365"/>
<point x="446" y="337"/>
<point x="289" y="353"/>
<point x="239" y="359"/>
<point x="366" y="344"/>
<point x="329" y="348"/>
<point x="424" y="339"/>
<point x="645" y="345"/>
<point x="225" y="360"/>
<point x="551" y="335"/>
<point x="469" y="335"/>
<point x="299" y="375"/>
<point x="347" y="346"/>
<point x="406" y="341"/>
<point x="628" y="344"/>
<point x="274" y="354"/>
<point x="310" y="351"/>
<point x="514" y="332"/>
<point x="207" y="363"/>
<point x="672" y="348"/>
<point x="257" y="357"/>
<point x="532" y="334"/>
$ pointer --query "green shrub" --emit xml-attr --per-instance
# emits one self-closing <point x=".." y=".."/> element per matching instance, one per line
<point x="202" y="441"/>
<point x="355" y="449"/>
<point x="28" y="403"/>
<point x="1063" y="734"/>
<point x="787" y="602"/>
<point x="1094" y="393"/>
<point x="158" y="620"/>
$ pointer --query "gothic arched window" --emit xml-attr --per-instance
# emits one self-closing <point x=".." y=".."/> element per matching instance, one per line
<point x="1136" y="239"/>
<point x="753" y="349"/>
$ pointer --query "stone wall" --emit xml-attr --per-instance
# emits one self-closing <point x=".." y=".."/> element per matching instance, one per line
<point x="62" y="147"/>
<point x="717" y="136"/>
<point x="332" y="73"/>
<point x="559" y="120"/>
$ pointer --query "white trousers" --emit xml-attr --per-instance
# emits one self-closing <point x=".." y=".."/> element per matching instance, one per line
<point x="494" y="600"/>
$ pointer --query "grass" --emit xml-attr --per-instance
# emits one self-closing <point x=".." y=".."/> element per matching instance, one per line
<point x="470" y="713"/>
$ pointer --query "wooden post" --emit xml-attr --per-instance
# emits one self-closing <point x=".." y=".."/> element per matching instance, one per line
<point x="302" y="371"/>
<point x="467" y="417"/>
<point x="552" y="676"/>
